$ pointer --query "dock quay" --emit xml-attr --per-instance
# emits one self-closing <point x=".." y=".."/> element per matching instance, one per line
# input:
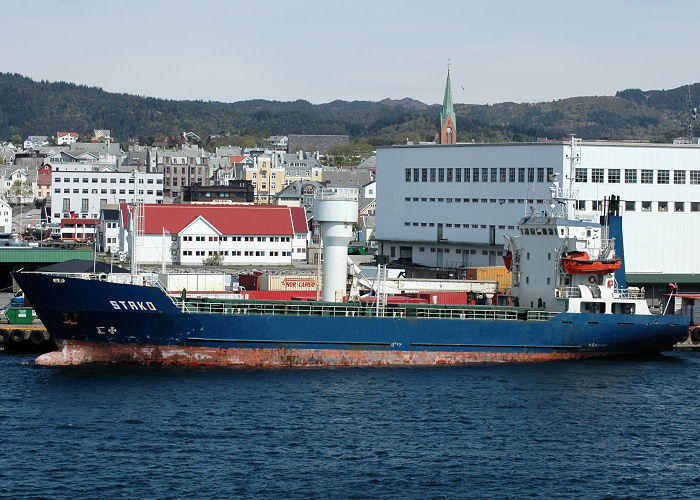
<point x="25" y="338"/>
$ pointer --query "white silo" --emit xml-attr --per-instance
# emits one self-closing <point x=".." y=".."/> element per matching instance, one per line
<point x="336" y="215"/>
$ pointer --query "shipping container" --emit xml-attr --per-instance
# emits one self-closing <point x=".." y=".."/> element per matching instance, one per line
<point x="448" y="297"/>
<point x="193" y="282"/>
<point x="281" y="282"/>
<point x="249" y="281"/>
<point x="396" y="299"/>
<point x="500" y="274"/>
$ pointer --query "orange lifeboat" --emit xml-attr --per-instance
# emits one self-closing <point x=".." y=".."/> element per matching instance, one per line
<point x="581" y="263"/>
<point x="508" y="259"/>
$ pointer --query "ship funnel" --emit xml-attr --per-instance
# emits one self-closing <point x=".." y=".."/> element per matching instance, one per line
<point x="336" y="215"/>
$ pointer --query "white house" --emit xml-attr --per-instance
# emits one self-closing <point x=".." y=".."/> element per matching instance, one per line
<point x="108" y="230"/>
<point x="5" y="217"/>
<point x="66" y="138"/>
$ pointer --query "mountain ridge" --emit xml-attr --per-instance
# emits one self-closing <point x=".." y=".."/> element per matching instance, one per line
<point x="29" y="107"/>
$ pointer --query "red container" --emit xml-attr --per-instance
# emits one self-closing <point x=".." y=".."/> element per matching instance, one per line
<point x="456" y="298"/>
<point x="249" y="281"/>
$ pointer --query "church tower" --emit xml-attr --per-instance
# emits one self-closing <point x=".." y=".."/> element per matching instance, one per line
<point x="448" y="120"/>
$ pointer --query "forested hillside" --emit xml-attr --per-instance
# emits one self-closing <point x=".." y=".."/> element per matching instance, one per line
<point x="28" y="107"/>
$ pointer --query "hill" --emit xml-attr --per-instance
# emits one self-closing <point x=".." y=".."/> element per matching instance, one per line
<point x="28" y="107"/>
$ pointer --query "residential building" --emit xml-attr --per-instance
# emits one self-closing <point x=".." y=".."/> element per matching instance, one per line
<point x="266" y="175"/>
<point x="34" y="141"/>
<point x="43" y="182"/>
<point x="66" y="138"/>
<point x="5" y="217"/>
<point x="279" y="142"/>
<point x="108" y="229"/>
<point x="298" y="194"/>
<point x="240" y="234"/>
<point x="102" y="135"/>
<point x="300" y="167"/>
<point x="451" y="206"/>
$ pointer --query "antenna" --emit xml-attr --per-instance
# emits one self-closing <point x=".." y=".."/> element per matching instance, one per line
<point x="692" y="114"/>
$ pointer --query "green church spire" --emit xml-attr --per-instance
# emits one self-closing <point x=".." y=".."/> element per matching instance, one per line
<point x="447" y="108"/>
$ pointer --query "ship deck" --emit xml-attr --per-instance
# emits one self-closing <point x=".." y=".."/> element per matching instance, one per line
<point x="354" y="309"/>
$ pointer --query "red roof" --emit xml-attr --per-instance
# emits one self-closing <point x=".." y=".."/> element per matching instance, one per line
<point x="299" y="219"/>
<point x="236" y="159"/>
<point x="227" y="219"/>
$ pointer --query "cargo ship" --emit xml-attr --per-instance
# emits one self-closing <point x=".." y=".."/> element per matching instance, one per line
<point x="553" y="314"/>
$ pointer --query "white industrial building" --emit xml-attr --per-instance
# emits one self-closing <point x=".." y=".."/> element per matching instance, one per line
<point x="452" y="205"/>
<point x="81" y="190"/>
<point x="241" y="234"/>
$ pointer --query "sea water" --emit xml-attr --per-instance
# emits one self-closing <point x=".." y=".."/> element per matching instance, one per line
<point x="595" y="429"/>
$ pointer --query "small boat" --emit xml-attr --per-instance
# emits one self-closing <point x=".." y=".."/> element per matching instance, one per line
<point x="581" y="263"/>
<point x="508" y="259"/>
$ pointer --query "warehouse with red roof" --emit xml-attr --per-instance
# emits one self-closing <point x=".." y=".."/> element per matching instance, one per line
<point x="241" y="234"/>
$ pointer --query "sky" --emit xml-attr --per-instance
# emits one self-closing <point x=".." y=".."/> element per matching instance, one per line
<point x="320" y="51"/>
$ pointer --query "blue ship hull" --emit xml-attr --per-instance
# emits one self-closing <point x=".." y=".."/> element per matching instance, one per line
<point x="100" y="322"/>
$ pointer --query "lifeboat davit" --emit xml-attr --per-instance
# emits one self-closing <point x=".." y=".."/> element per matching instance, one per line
<point x="508" y="259"/>
<point x="581" y="263"/>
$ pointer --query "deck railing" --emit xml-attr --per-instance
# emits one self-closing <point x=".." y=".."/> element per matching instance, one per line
<point x="342" y="310"/>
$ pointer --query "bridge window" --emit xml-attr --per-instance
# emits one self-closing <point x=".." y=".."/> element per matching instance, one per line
<point x="593" y="307"/>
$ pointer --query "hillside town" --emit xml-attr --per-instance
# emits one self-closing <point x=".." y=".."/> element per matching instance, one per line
<point x="84" y="192"/>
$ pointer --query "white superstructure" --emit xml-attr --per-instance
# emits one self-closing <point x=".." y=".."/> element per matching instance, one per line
<point x="452" y="205"/>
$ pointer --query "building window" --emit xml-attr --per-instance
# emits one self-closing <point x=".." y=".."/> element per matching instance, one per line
<point x="630" y="206"/>
<point x="475" y="175"/>
<point x="66" y="204"/>
<point x="84" y="205"/>
<point x="695" y="176"/>
<point x="597" y="175"/>
<point x="662" y="206"/>
<point x="647" y="176"/>
<point x="484" y="175"/>
<point x="511" y="175"/>
<point x="614" y="176"/>
<point x="424" y="174"/>
<point x="494" y="175"/>
<point x="458" y="175"/>
<point x="679" y="176"/>
<point x="467" y="175"/>
<point x="531" y="174"/>
<point x="679" y="206"/>
<point x="695" y="206"/>
<point x="432" y="174"/>
<point x="408" y="175"/>
<point x="540" y="175"/>
<point x="662" y="177"/>
<point x="596" y="205"/>
<point x="416" y="175"/>
<point x="581" y="205"/>
<point x="581" y="175"/>
<point x="502" y="174"/>
<point x="646" y="206"/>
<point x="449" y="174"/>
<point x="630" y="176"/>
<point x="441" y="175"/>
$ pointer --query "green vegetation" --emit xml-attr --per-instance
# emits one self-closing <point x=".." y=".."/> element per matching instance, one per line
<point x="28" y="107"/>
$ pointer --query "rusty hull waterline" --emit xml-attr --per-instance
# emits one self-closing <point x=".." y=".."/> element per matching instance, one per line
<point x="76" y="353"/>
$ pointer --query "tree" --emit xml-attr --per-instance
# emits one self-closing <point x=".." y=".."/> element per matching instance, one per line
<point x="16" y="140"/>
<point x="19" y="191"/>
<point x="213" y="260"/>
